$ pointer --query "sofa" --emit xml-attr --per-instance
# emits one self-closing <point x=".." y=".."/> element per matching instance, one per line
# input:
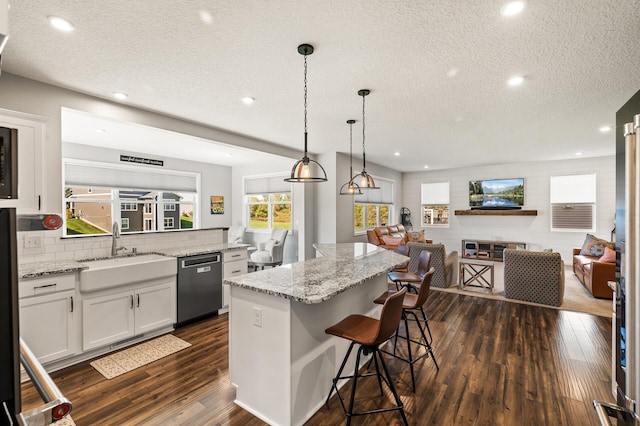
<point x="534" y="276"/>
<point x="594" y="274"/>
<point x="377" y="236"/>
<point x="445" y="264"/>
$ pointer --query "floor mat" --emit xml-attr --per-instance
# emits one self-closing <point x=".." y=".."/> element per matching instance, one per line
<point x="129" y="359"/>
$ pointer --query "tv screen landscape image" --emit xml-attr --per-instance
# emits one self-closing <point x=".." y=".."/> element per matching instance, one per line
<point x="496" y="193"/>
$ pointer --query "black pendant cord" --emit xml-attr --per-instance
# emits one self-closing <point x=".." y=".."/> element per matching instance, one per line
<point x="305" y="106"/>
<point x="351" y="147"/>
<point x="364" y="161"/>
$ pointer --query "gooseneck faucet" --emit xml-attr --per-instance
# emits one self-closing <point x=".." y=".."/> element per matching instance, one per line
<point x="115" y="236"/>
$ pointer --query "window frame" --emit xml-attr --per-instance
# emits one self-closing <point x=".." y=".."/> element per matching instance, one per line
<point x="389" y="187"/>
<point x="563" y="197"/>
<point x="435" y="196"/>
<point x="122" y="225"/>
<point x="271" y="185"/>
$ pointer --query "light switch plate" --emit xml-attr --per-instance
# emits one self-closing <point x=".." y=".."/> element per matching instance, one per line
<point x="257" y="316"/>
<point x="32" y="241"/>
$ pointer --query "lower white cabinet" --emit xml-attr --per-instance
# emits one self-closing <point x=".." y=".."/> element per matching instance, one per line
<point x="48" y="325"/>
<point x="116" y="316"/>
<point x="234" y="263"/>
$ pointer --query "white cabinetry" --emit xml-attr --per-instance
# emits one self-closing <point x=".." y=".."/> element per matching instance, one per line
<point x="234" y="263"/>
<point x="117" y="315"/>
<point x="31" y="130"/>
<point x="48" y="316"/>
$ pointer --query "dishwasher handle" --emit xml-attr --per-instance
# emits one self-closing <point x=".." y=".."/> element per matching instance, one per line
<point x="197" y="261"/>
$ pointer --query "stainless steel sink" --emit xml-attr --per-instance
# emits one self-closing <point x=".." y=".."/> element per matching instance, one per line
<point x="118" y="271"/>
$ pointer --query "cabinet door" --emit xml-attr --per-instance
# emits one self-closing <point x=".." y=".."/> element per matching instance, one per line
<point x="30" y="136"/>
<point x="155" y="307"/>
<point x="48" y="325"/>
<point x="107" y="319"/>
<point x="231" y="269"/>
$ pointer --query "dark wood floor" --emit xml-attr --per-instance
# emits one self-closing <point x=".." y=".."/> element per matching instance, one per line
<point x="501" y="363"/>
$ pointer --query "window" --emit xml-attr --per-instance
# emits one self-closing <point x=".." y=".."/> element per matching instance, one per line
<point x="435" y="204"/>
<point x="99" y="194"/>
<point x="374" y="207"/>
<point x="573" y="202"/>
<point x="268" y="201"/>
<point x="128" y="207"/>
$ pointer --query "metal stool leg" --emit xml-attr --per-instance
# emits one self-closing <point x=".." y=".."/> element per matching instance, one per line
<point x="427" y="345"/>
<point x="426" y="322"/>
<point x="335" y="380"/>
<point x="393" y="388"/>
<point x="353" y="389"/>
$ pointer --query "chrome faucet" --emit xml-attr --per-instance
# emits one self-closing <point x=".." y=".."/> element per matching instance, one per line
<point x="115" y="235"/>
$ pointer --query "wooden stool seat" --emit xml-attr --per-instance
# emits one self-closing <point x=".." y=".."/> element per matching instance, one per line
<point x="369" y="333"/>
<point x="410" y="303"/>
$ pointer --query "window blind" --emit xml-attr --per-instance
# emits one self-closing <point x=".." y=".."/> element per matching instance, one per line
<point x="108" y="175"/>
<point x="573" y="200"/>
<point x="436" y="193"/>
<point x="266" y="185"/>
<point x="384" y="195"/>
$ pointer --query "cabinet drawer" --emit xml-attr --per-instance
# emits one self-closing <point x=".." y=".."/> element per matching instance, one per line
<point x="233" y="255"/>
<point x="50" y="284"/>
<point x="237" y="267"/>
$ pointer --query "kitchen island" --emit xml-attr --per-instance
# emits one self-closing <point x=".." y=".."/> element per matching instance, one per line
<point x="280" y="360"/>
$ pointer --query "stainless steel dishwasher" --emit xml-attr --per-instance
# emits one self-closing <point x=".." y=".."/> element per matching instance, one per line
<point x="199" y="286"/>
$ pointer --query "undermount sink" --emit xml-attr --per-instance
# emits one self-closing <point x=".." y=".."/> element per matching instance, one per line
<point x="118" y="271"/>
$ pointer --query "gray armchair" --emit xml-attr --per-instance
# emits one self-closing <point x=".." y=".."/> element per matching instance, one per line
<point x="445" y="264"/>
<point x="272" y="251"/>
<point x="534" y="276"/>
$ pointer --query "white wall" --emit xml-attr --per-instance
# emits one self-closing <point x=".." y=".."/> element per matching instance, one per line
<point x="533" y="230"/>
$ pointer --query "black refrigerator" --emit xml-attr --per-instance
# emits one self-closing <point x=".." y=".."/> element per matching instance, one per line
<point x="9" y="326"/>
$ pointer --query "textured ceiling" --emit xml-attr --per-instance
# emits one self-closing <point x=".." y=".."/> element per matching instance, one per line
<point x="437" y="70"/>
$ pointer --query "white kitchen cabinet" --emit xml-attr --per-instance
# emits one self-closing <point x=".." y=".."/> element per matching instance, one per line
<point x="112" y="317"/>
<point x="49" y="315"/>
<point x="31" y="131"/>
<point x="234" y="263"/>
<point x="48" y="325"/>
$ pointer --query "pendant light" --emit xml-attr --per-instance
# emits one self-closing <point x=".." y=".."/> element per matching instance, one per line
<point x="306" y="170"/>
<point x="364" y="179"/>
<point x="350" y="188"/>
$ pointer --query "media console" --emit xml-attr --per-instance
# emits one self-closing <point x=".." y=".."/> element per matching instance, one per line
<point x="487" y="249"/>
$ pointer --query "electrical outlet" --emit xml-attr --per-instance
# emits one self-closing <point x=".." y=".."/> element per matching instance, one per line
<point x="257" y="316"/>
<point x="32" y="241"/>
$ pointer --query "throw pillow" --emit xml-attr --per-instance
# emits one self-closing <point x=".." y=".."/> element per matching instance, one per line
<point x="609" y="256"/>
<point x="415" y="236"/>
<point x="594" y="246"/>
<point x="388" y="240"/>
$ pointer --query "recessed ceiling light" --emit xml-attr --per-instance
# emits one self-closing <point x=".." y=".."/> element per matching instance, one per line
<point x="452" y="72"/>
<point x="120" y="96"/>
<point x="205" y="17"/>
<point x="397" y="154"/>
<point x="579" y="153"/>
<point x="101" y="131"/>
<point x="515" y="81"/>
<point x="426" y="166"/>
<point x="248" y="100"/>
<point x="61" y="24"/>
<point x="512" y="8"/>
<point x="605" y="129"/>
<point x="228" y="155"/>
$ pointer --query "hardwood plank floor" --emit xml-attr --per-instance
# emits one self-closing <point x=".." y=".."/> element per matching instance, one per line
<point x="501" y="363"/>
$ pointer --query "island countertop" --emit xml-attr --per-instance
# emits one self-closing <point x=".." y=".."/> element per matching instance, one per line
<point x="341" y="267"/>
<point x="191" y="251"/>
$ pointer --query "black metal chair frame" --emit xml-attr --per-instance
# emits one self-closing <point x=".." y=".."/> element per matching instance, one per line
<point x="376" y="356"/>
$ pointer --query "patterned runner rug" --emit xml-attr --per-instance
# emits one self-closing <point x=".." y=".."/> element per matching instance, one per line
<point x="145" y="353"/>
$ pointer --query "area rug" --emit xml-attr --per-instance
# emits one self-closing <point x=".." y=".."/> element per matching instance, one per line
<point x="576" y="297"/>
<point x="145" y="353"/>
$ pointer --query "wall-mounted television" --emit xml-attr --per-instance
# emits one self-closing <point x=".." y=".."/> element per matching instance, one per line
<point x="496" y="193"/>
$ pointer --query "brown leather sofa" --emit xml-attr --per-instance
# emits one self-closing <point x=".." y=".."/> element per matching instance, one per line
<point x="374" y="236"/>
<point x="594" y="274"/>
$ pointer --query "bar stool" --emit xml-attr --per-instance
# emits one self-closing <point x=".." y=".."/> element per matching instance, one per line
<point x="403" y="250"/>
<point x="369" y="333"/>
<point x="410" y="278"/>
<point x="410" y="304"/>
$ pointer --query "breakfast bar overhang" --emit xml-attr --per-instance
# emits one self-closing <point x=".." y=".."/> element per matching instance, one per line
<point x="280" y="360"/>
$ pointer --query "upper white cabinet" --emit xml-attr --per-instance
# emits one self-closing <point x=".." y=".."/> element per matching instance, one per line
<point x="31" y="134"/>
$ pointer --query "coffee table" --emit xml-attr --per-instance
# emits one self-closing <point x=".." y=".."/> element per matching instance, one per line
<point x="476" y="273"/>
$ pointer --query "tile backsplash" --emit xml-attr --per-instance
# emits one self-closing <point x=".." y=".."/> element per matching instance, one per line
<point x="53" y="247"/>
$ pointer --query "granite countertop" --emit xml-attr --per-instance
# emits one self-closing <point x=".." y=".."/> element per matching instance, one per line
<point x="341" y="267"/>
<point x="191" y="251"/>
<point x="40" y="269"/>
